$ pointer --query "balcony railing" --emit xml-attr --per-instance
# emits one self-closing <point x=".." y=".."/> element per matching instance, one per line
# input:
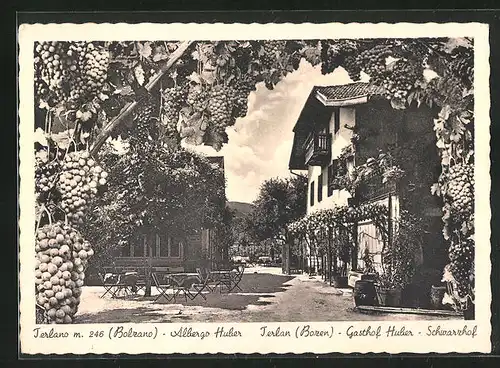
<point x="318" y="149"/>
<point x="373" y="188"/>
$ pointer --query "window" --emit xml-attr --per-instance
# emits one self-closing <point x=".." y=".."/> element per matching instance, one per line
<point x="336" y="115"/>
<point x="170" y="247"/>
<point x="125" y="250"/>
<point x="175" y="248"/>
<point x="139" y="246"/>
<point x="164" y="245"/>
<point x="320" y="187"/>
<point x="311" y="194"/>
<point x="151" y="245"/>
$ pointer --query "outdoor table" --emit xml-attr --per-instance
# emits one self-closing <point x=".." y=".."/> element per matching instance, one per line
<point x="225" y="278"/>
<point x="124" y="282"/>
<point x="183" y="282"/>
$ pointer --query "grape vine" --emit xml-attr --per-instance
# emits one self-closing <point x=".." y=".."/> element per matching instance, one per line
<point x="168" y="91"/>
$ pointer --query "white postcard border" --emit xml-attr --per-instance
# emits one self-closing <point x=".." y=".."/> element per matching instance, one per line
<point x="336" y="337"/>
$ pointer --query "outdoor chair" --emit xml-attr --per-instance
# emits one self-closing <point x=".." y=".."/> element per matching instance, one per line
<point x="162" y="288"/>
<point x="140" y="283"/>
<point x="236" y="278"/>
<point x="210" y="282"/>
<point x="186" y="287"/>
<point x="112" y="284"/>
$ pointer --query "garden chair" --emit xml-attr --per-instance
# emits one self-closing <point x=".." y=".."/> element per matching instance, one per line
<point x="108" y="281"/>
<point x="210" y="282"/>
<point x="186" y="286"/>
<point x="162" y="288"/>
<point x="236" y="278"/>
<point x="113" y="284"/>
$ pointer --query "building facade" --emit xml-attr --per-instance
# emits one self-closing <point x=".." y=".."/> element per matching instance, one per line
<point x="327" y="125"/>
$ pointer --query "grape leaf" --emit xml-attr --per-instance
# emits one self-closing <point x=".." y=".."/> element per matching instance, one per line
<point x="160" y="53"/>
<point x="139" y="74"/>
<point x="42" y="155"/>
<point x="312" y="55"/>
<point x="194" y="77"/>
<point x="144" y="49"/>
<point x="436" y="189"/>
<point x="62" y="139"/>
<point x="41" y="138"/>
<point x="445" y="112"/>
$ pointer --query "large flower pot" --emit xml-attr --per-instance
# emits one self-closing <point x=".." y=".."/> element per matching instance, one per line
<point x="437" y="294"/>
<point x="389" y="297"/>
<point x="469" y="313"/>
<point x="364" y="293"/>
<point x="369" y="276"/>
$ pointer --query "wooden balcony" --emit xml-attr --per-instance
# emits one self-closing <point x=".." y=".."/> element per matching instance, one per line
<point x="318" y="149"/>
<point x="373" y="188"/>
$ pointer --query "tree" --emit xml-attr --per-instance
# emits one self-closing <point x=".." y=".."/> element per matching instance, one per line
<point x="155" y="189"/>
<point x="87" y="92"/>
<point x="279" y="203"/>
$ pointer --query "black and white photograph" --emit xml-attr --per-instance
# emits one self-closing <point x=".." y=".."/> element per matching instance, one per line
<point x="331" y="180"/>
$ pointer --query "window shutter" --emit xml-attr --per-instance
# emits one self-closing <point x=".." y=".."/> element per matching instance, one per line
<point x="330" y="177"/>
<point x="311" y="194"/>
<point x="320" y="187"/>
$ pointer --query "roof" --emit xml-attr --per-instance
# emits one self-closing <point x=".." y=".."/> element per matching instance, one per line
<point x="318" y="108"/>
<point x="344" y="91"/>
<point x="344" y="94"/>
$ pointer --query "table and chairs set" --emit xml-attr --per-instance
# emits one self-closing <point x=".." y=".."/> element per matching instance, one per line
<point x="171" y="284"/>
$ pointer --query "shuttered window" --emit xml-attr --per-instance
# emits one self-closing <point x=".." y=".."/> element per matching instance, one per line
<point x="330" y="177"/>
<point x="336" y="114"/>
<point x="320" y="187"/>
<point x="311" y="194"/>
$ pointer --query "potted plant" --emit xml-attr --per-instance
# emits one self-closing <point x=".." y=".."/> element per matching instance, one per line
<point x="364" y="289"/>
<point x="369" y="271"/>
<point x="342" y="248"/>
<point x="400" y="259"/>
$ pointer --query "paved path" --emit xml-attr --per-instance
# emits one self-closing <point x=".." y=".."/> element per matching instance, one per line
<point x="267" y="296"/>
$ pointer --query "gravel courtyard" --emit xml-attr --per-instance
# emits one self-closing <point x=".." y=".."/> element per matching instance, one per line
<point x="267" y="296"/>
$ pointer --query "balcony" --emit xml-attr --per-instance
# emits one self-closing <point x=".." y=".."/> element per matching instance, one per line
<point x="318" y="149"/>
<point x="373" y="188"/>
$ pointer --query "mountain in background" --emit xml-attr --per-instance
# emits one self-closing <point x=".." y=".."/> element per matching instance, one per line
<point x="241" y="208"/>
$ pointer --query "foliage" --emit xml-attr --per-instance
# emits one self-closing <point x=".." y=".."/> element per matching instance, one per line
<point x="400" y="257"/>
<point x="158" y="189"/>
<point x="84" y="89"/>
<point x="369" y="267"/>
<point x="279" y="203"/>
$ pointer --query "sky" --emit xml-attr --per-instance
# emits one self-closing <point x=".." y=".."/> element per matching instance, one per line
<point x="260" y="144"/>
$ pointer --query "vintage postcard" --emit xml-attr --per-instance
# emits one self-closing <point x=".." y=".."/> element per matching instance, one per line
<point x="254" y="188"/>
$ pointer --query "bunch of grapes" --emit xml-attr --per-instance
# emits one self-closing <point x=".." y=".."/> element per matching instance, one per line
<point x="69" y="71"/>
<point x="45" y="172"/>
<point x="51" y="73"/>
<point x="173" y="100"/>
<point x="461" y="254"/>
<point x="144" y="117"/>
<point x="462" y="65"/>
<point x="90" y="72"/>
<point x="334" y="54"/>
<point x="220" y="108"/>
<point x="272" y="49"/>
<point x="197" y="98"/>
<point x="352" y="68"/>
<point x="61" y="258"/>
<point x="373" y="61"/>
<point x="401" y="78"/>
<point x="460" y="188"/>
<point x="78" y="183"/>
<point x="241" y="91"/>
